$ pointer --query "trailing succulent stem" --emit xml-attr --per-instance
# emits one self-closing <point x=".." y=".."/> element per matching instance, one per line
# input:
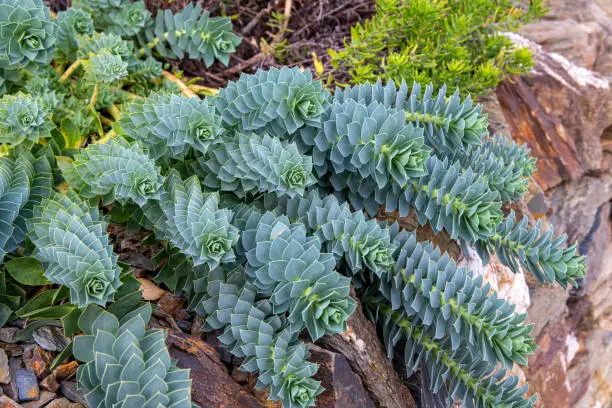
<point x="126" y="365"/>
<point x="517" y="244"/>
<point x="475" y="382"/>
<point x="251" y="330"/>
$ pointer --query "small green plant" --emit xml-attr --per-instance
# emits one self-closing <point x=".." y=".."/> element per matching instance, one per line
<point x="454" y="42"/>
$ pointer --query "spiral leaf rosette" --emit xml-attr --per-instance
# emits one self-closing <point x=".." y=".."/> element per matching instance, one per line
<point x="257" y="164"/>
<point x="172" y="124"/>
<point x="23" y="118"/>
<point x="367" y="141"/>
<point x="71" y="240"/>
<point x="117" y="170"/>
<point x="27" y="34"/>
<point x="278" y="101"/>
<point x="191" y="32"/>
<point x="71" y="24"/>
<point x="251" y="330"/>
<point x="105" y="67"/>
<point x="126" y="365"/>
<point x="195" y="223"/>
<point x="287" y="265"/>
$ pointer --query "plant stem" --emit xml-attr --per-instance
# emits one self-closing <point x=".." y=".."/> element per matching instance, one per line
<point x="92" y="108"/>
<point x="184" y="88"/>
<point x="70" y="71"/>
<point x="114" y="111"/>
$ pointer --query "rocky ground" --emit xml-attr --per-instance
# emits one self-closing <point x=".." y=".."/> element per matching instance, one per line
<point x="563" y="110"/>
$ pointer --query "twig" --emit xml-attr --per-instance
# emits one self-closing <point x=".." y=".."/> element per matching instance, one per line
<point x="70" y="71"/>
<point x="245" y="64"/>
<point x="184" y="88"/>
<point x="247" y="29"/>
<point x="203" y="90"/>
<point x="114" y="111"/>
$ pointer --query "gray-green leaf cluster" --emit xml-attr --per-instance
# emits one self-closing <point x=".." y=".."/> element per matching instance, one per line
<point x="172" y="124"/>
<point x="71" y="240"/>
<point x="191" y="32"/>
<point x="126" y="365"/>
<point x="117" y="170"/>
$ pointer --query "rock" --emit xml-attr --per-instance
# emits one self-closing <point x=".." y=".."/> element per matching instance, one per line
<point x="63" y="403"/>
<point x="11" y="388"/>
<point x="150" y="291"/>
<point x="44" y="398"/>
<point x="560" y="110"/>
<point x="171" y="304"/>
<point x="6" y="402"/>
<point x="49" y="383"/>
<point x="12" y="349"/>
<point x="51" y="338"/>
<point x="547" y="368"/>
<point x="69" y="390"/>
<point x="212" y="386"/>
<point x="5" y="371"/>
<point x="361" y="347"/>
<point x="27" y="386"/>
<point x="508" y="285"/>
<point x="7" y="334"/>
<point x="65" y="371"/>
<point x="343" y="388"/>
<point x="37" y="360"/>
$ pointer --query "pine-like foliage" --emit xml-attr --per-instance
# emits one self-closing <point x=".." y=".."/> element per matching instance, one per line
<point x="287" y="265"/>
<point x="191" y="32"/>
<point x="279" y="101"/>
<point x="117" y="170"/>
<point x="27" y="34"/>
<point x="256" y="164"/>
<point x="71" y="239"/>
<point x="452" y="42"/>
<point x="172" y="124"/>
<point x="194" y="222"/>
<point x="546" y="258"/>
<point x="125" y="365"/>
<point x="367" y="141"/>
<point x="252" y="331"/>
<point x="23" y="118"/>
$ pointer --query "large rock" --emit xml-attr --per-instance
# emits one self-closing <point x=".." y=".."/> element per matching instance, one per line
<point x="343" y="388"/>
<point x="560" y="110"/>
<point x="212" y="386"/>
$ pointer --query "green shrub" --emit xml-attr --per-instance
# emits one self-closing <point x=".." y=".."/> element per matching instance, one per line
<point x="459" y="43"/>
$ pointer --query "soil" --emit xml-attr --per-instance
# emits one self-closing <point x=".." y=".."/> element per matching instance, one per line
<point x="313" y="27"/>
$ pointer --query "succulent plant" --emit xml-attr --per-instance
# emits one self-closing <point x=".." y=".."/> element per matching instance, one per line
<point x="278" y="101"/>
<point x="254" y="164"/>
<point x="23" y="119"/>
<point x="71" y="24"/>
<point x="71" y="240"/>
<point x="27" y="34"/>
<point x="191" y="32"/>
<point x="126" y="364"/>
<point x="195" y="224"/>
<point x="252" y="331"/>
<point x="118" y="170"/>
<point x="172" y="124"/>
